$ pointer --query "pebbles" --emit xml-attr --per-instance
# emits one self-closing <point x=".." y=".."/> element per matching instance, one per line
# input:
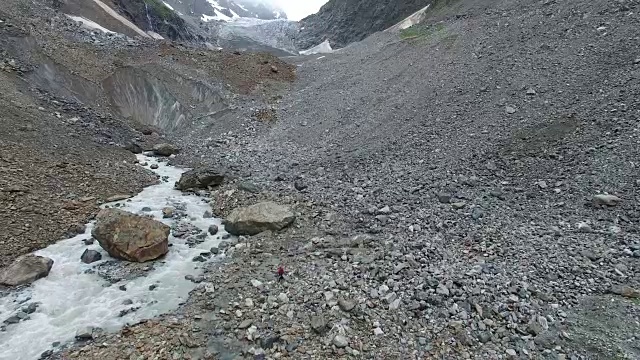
<point x="504" y="259"/>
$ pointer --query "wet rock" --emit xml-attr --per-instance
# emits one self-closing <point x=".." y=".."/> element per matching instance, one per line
<point x="168" y="212"/>
<point x="184" y="229"/>
<point x="194" y="279"/>
<point x="31" y="308"/>
<point x="118" y="197"/>
<point x="26" y="269"/>
<point x="213" y="229"/>
<point x="154" y="166"/>
<point x="12" y="320"/>
<point x="89" y="241"/>
<point x="85" y="333"/>
<point x="90" y="256"/>
<point x="257" y="218"/>
<point x="199" y="179"/>
<point x="207" y="215"/>
<point x="165" y="149"/>
<point x="131" y="237"/>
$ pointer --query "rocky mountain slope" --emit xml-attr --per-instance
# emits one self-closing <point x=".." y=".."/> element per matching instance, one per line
<point x="77" y="99"/>
<point x="345" y="21"/>
<point x="223" y="10"/>
<point x="466" y="188"/>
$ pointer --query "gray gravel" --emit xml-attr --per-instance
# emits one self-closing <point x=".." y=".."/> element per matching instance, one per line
<point x="473" y="156"/>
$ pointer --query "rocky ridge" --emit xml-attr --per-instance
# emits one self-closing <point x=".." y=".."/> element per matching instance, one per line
<point x="343" y="22"/>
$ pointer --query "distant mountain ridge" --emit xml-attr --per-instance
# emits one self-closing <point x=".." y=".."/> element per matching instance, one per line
<point x="345" y="21"/>
<point x="225" y="10"/>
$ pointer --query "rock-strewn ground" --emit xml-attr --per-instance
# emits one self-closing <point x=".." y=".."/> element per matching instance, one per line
<point x="470" y="150"/>
<point x="62" y="140"/>
<point x="56" y="166"/>
<point x="444" y="182"/>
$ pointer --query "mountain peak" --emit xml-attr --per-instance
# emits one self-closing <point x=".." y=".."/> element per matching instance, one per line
<point x="226" y="10"/>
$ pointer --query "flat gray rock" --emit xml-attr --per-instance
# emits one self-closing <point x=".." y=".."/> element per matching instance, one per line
<point x="257" y="218"/>
<point x="26" y="269"/>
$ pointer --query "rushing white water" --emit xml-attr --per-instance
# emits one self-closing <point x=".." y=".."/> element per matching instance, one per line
<point x="70" y="299"/>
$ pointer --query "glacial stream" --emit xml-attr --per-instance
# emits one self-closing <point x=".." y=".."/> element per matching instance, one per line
<point x="73" y="296"/>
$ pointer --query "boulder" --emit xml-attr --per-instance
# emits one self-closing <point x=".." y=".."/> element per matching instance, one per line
<point x="199" y="179"/>
<point x="131" y="237"/>
<point x="119" y="197"/>
<point x="606" y="200"/>
<point x="90" y="256"/>
<point x="257" y="218"/>
<point x="165" y="149"/>
<point x="134" y="148"/>
<point x="85" y="333"/>
<point x="26" y="269"/>
<point x="168" y="212"/>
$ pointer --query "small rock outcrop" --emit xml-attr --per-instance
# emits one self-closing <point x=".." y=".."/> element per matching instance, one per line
<point x="257" y="218"/>
<point x="199" y="179"/>
<point x="165" y="149"/>
<point x="131" y="237"/>
<point x="26" y="269"/>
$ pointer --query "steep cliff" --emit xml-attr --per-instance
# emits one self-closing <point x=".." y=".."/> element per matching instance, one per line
<point x="155" y="16"/>
<point x="346" y="21"/>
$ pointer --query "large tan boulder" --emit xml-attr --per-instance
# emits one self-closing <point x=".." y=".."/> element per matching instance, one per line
<point x="26" y="269"/>
<point x="257" y="218"/>
<point x="131" y="237"/>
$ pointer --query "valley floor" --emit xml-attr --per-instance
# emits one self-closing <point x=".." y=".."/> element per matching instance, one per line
<point x="446" y="182"/>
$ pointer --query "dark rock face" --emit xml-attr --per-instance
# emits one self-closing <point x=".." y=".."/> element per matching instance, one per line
<point x="242" y="8"/>
<point x="153" y="15"/>
<point x="90" y="256"/>
<point x="345" y="21"/>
